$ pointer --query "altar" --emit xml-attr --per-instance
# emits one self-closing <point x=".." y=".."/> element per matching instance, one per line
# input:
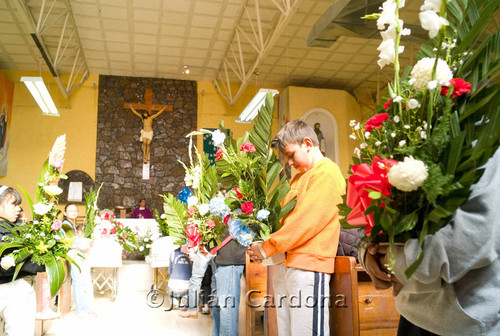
<point x="142" y="226"/>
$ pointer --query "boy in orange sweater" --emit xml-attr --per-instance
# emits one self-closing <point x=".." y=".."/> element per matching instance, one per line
<point x="309" y="234"/>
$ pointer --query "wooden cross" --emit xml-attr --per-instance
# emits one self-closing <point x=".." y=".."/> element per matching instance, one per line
<point x="147" y="122"/>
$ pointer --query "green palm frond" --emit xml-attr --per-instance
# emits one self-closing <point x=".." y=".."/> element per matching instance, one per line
<point x="176" y="215"/>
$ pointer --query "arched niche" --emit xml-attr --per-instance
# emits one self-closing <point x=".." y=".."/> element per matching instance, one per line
<point x="76" y="176"/>
<point x="329" y="129"/>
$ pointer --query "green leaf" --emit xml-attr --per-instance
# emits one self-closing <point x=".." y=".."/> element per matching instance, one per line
<point x="55" y="274"/>
<point x="6" y="246"/>
<point x="175" y="212"/>
<point x="374" y="195"/>
<point x="407" y="223"/>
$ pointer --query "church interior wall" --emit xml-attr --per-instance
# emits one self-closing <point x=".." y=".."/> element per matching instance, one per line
<point x="33" y="134"/>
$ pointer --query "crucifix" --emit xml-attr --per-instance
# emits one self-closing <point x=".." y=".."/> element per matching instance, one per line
<point x="147" y="121"/>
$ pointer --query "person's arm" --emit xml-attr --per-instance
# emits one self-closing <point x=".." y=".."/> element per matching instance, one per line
<point x="135" y="112"/>
<point x="467" y="242"/>
<point x="316" y="207"/>
<point x="157" y="114"/>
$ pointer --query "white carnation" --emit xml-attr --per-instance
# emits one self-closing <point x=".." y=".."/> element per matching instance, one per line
<point x="8" y="262"/>
<point x="192" y="201"/>
<point x="421" y="74"/>
<point x="203" y="209"/>
<point x="408" y="175"/>
<point x="41" y="208"/>
<point x="218" y="138"/>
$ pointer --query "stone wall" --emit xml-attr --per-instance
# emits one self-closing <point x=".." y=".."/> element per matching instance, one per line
<point x="119" y="151"/>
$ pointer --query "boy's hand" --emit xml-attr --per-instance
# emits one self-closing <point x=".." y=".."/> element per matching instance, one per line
<point x="254" y="252"/>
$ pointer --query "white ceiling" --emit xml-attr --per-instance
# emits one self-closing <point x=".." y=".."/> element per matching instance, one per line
<point x="156" y="38"/>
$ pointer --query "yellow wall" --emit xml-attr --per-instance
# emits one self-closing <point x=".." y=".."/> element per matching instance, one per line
<point x="340" y="103"/>
<point x="32" y="134"/>
<point x="212" y="108"/>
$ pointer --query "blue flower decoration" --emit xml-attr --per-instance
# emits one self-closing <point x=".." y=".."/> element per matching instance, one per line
<point x="218" y="207"/>
<point x="184" y="195"/>
<point x="262" y="214"/>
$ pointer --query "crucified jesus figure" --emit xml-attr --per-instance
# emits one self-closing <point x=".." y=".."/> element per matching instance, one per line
<point x="147" y="131"/>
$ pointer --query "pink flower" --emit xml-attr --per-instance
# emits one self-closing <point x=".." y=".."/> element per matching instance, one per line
<point x="211" y="224"/>
<point x="104" y="231"/>
<point x="56" y="225"/>
<point x="247" y="147"/>
<point x="376" y="121"/>
<point x="113" y="230"/>
<point x="247" y="208"/>
<point x="58" y="163"/>
<point x="191" y="211"/>
<point x="219" y="154"/>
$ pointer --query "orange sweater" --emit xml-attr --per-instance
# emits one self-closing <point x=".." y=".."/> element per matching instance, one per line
<point x="310" y="232"/>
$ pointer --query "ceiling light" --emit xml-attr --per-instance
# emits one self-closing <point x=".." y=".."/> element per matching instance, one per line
<point x="39" y="91"/>
<point x="252" y="109"/>
<point x="186" y="70"/>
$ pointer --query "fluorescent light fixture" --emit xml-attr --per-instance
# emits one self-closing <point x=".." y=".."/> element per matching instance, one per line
<point x="250" y="112"/>
<point x="39" y="91"/>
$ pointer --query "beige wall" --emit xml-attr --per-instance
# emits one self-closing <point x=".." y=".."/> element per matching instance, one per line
<point x="32" y="134"/>
<point x="340" y="103"/>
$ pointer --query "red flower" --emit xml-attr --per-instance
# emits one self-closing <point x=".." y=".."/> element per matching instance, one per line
<point x="219" y="154"/>
<point x="193" y="235"/>
<point x="376" y="121"/>
<point x="226" y="219"/>
<point x="104" y="231"/>
<point x="191" y="211"/>
<point x="388" y="104"/>
<point x="113" y="230"/>
<point x="460" y="87"/>
<point x="237" y="192"/>
<point x="247" y="208"/>
<point x="365" y="177"/>
<point x="211" y="224"/>
<point x="106" y="215"/>
<point x="247" y="147"/>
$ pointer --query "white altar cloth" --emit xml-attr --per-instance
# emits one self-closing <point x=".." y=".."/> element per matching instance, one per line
<point x="142" y="226"/>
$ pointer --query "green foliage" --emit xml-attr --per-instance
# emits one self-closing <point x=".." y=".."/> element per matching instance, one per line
<point x="176" y="217"/>
<point x="91" y="210"/>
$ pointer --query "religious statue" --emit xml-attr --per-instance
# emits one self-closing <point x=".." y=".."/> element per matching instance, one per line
<point x="147" y="131"/>
<point x="321" y="138"/>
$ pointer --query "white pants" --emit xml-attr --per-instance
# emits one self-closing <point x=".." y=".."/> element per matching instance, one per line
<point x="18" y="307"/>
<point x="302" y="301"/>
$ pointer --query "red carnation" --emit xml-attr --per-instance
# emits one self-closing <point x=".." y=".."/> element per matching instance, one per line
<point x="219" y="154"/>
<point x="247" y="208"/>
<point x="191" y="211"/>
<point x="388" y="104"/>
<point x="460" y="87"/>
<point x="247" y="147"/>
<point x="376" y="121"/>
<point x="211" y="224"/>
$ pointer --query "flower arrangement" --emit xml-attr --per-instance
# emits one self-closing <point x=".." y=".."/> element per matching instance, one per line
<point x="419" y="154"/>
<point x="45" y="240"/>
<point x="144" y="243"/>
<point x="196" y="223"/>
<point x="250" y="171"/>
<point x="107" y="226"/>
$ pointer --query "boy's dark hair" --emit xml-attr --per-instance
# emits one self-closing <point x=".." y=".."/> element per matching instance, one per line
<point x="5" y="191"/>
<point x="294" y="132"/>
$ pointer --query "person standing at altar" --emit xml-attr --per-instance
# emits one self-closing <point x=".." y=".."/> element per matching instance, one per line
<point x="81" y="281"/>
<point x="142" y="211"/>
<point x="18" y="298"/>
<point x="309" y="234"/>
